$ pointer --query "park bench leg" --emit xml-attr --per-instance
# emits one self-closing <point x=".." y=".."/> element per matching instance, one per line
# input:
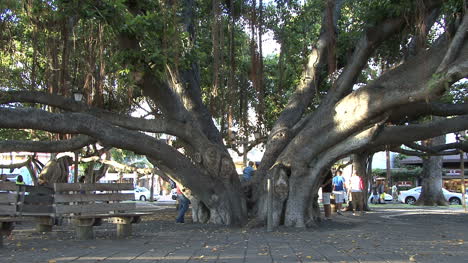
<point x="124" y="230"/>
<point x="44" y="224"/>
<point x="5" y="230"/>
<point x="84" y="228"/>
<point x="124" y="226"/>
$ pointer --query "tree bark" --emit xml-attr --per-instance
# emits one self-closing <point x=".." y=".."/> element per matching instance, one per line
<point x="431" y="191"/>
<point x="360" y="162"/>
<point x="55" y="171"/>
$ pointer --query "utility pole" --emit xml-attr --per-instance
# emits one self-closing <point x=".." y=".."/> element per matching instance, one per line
<point x="75" y="172"/>
<point x="460" y="138"/>
<point x="462" y="172"/>
<point x="389" y="175"/>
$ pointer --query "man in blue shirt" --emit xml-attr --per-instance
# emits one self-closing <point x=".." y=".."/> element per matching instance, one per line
<point x="338" y="190"/>
<point x="248" y="172"/>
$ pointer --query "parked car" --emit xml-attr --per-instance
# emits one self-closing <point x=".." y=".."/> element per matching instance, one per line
<point x="410" y="196"/>
<point x="387" y="198"/>
<point x="143" y="194"/>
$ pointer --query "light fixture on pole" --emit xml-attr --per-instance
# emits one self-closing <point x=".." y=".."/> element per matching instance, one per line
<point x="77" y="95"/>
<point x="257" y="135"/>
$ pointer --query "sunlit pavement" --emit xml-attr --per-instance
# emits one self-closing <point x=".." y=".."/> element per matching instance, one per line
<point x="388" y="233"/>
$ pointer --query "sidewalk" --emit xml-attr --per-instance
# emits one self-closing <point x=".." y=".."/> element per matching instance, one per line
<point x="387" y="234"/>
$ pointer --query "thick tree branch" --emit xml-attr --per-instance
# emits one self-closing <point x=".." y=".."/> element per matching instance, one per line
<point x="354" y="143"/>
<point x="366" y="46"/>
<point x="431" y="152"/>
<point x="168" y="126"/>
<point x="16" y="165"/>
<point x="179" y="95"/>
<point x="117" y="165"/>
<point x="54" y="100"/>
<point x="420" y="147"/>
<point x="73" y="144"/>
<point x="106" y="134"/>
<point x="371" y="39"/>
<point x="455" y="45"/>
<point x="411" y="82"/>
<point x="416" y="110"/>
<point x="439" y="149"/>
<point x="396" y="135"/>
<point x="280" y="134"/>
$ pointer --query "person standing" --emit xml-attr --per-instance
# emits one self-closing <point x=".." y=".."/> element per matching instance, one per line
<point x="356" y="189"/>
<point x="248" y="172"/>
<point x="375" y="194"/>
<point x="326" y="193"/>
<point x="338" y="190"/>
<point x="184" y="203"/>
<point x="19" y="180"/>
<point x="381" y="192"/>
<point x="395" y="192"/>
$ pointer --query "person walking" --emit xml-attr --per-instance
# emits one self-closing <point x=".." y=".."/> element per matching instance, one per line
<point x="248" y="172"/>
<point x="338" y="190"/>
<point x="356" y="189"/>
<point x="184" y="203"/>
<point x="326" y="193"/>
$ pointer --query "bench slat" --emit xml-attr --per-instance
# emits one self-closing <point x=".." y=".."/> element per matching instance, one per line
<point x="37" y="209"/>
<point x="63" y="187"/>
<point x="8" y="186"/>
<point x="67" y="198"/>
<point x="7" y="210"/>
<point x="39" y="190"/>
<point x="93" y="208"/>
<point x="38" y="199"/>
<point x="8" y="198"/>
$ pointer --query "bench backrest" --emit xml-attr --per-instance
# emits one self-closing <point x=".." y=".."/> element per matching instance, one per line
<point x="9" y="198"/>
<point x="18" y="200"/>
<point x="38" y="200"/>
<point x="91" y="199"/>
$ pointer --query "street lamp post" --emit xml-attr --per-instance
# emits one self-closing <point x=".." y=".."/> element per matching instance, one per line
<point x="77" y="96"/>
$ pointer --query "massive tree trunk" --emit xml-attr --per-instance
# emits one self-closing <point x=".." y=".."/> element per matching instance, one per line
<point x="431" y="192"/>
<point x="361" y="164"/>
<point x="357" y="121"/>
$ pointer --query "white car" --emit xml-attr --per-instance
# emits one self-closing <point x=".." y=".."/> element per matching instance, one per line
<point x="410" y="196"/>
<point x="143" y="194"/>
<point x="387" y="198"/>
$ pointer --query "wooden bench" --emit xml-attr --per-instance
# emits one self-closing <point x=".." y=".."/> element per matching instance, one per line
<point x="11" y="201"/>
<point x="88" y="204"/>
<point x="38" y="204"/>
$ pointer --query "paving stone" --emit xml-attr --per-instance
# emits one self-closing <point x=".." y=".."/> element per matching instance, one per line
<point x="386" y="235"/>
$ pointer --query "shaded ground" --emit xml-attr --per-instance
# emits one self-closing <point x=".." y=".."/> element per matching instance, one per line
<point x="390" y="233"/>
